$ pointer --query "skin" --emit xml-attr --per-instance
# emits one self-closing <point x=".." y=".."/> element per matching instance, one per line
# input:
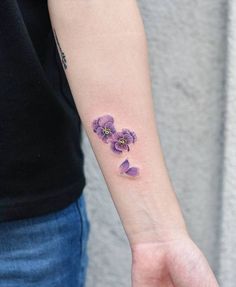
<point x="105" y="48"/>
<point x="170" y="263"/>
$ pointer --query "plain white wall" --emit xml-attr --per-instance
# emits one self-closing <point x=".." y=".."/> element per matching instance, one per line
<point x="187" y="48"/>
<point x="227" y="272"/>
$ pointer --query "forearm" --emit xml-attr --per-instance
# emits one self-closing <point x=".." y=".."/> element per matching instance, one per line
<point x="107" y="70"/>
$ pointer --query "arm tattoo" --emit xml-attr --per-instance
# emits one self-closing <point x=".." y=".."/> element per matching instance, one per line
<point x="119" y="141"/>
<point x="62" y="54"/>
<point x="126" y="169"/>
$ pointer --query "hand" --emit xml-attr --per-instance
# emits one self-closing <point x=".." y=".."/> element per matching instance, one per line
<point x="173" y="263"/>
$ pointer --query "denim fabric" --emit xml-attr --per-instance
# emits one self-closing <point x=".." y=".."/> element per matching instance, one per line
<point x="46" y="251"/>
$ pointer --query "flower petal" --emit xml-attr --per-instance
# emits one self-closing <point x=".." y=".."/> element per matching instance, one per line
<point x="114" y="149"/>
<point x="133" y="171"/>
<point x="118" y="146"/>
<point x="130" y="135"/>
<point x="113" y="130"/>
<point x="105" y="139"/>
<point x="95" y="125"/>
<point x="133" y="134"/>
<point x="118" y="135"/>
<point x="100" y="132"/>
<point x="104" y="119"/>
<point x="124" y="166"/>
<point x="125" y="147"/>
<point x="128" y="138"/>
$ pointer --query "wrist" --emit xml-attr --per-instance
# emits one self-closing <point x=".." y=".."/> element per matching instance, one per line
<point x="158" y="219"/>
<point x="157" y="234"/>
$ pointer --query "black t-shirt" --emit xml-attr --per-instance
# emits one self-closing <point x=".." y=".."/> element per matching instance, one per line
<point x="41" y="162"/>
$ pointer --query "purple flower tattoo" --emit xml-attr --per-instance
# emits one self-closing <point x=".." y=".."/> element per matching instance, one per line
<point x="126" y="169"/>
<point x="121" y="141"/>
<point x="104" y="127"/>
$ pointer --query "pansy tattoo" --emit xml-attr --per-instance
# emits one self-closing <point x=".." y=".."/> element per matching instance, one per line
<point x="104" y="127"/>
<point x="126" y="169"/>
<point x="119" y="141"/>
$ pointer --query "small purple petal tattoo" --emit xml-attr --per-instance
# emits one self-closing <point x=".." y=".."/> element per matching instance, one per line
<point x="125" y="169"/>
<point x="124" y="166"/>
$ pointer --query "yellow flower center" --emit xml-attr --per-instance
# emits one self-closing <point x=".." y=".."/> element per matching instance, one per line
<point x="106" y="131"/>
<point x="122" y="141"/>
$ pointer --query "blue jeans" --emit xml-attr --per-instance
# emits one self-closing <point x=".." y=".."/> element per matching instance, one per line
<point x="46" y="251"/>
